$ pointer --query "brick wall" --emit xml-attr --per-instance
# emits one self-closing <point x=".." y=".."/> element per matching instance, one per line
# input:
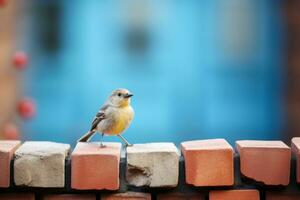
<point x="200" y="170"/>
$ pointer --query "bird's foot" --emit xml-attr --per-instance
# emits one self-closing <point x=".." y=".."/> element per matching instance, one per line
<point x="102" y="145"/>
<point x="128" y="145"/>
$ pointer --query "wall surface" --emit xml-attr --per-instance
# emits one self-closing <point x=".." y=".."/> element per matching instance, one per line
<point x="203" y="169"/>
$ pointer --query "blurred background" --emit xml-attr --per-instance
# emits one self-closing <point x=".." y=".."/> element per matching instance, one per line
<point x="198" y="69"/>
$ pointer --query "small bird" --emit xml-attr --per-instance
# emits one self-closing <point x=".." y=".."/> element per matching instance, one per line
<point x="113" y="118"/>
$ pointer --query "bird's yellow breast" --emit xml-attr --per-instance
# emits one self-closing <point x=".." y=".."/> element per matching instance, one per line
<point x="122" y="119"/>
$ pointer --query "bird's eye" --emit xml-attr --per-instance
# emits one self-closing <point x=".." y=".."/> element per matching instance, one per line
<point x="119" y="94"/>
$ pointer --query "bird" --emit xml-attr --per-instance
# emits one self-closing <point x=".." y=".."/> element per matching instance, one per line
<point x="113" y="118"/>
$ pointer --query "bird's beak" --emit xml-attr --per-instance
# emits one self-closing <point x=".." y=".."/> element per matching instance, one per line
<point x="128" y="95"/>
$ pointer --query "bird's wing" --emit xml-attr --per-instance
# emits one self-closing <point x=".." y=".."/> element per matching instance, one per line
<point x="99" y="116"/>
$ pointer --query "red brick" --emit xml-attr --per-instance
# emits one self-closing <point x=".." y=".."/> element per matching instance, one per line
<point x="208" y="162"/>
<point x="7" y="149"/>
<point x="280" y="196"/>
<point x="265" y="161"/>
<point x="234" y="195"/>
<point x="70" y="197"/>
<point x="180" y="196"/>
<point x="296" y="152"/>
<point x="94" y="167"/>
<point x="21" y="196"/>
<point x="127" y="196"/>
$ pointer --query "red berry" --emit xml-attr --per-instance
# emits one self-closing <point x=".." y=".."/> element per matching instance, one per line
<point x="26" y="108"/>
<point x="20" y="60"/>
<point x="11" y="132"/>
<point x="3" y="3"/>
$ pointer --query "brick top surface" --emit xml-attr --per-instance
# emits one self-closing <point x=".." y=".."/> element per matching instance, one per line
<point x="42" y="148"/>
<point x="8" y="145"/>
<point x="69" y="197"/>
<point x="251" y="194"/>
<point x="87" y="148"/>
<point x="296" y="143"/>
<point x="17" y="196"/>
<point x="261" y="144"/>
<point x="152" y="147"/>
<point x="127" y="195"/>
<point x="211" y="144"/>
<point x="180" y="196"/>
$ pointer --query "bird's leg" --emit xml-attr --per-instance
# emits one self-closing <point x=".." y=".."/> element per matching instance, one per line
<point x="101" y="141"/>
<point x="126" y="142"/>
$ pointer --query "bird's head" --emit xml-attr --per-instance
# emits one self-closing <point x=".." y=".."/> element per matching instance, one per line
<point x="120" y="97"/>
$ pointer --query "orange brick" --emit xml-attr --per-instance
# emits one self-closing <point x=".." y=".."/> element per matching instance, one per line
<point x="208" y="162"/>
<point x="180" y="196"/>
<point x="296" y="152"/>
<point x="234" y="195"/>
<point x="279" y="196"/>
<point x="94" y="167"/>
<point x="20" y="196"/>
<point x="265" y="161"/>
<point x="127" y="196"/>
<point x="7" y="149"/>
<point x="70" y="197"/>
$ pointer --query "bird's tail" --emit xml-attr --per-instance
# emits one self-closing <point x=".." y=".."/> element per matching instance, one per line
<point x="86" y="137"/>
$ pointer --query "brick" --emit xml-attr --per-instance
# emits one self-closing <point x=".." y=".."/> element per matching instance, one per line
<point x="234" y="195"/>
<point x="265" y="161"/>
<point x="40" y="164"/>
<point x="153" y="165"/>
<point x="296" y="152"/>
<point x="69" y="197"/>
<point x="280" y="196"/>
<point x="94" y="167"/>
<point x="208" y="162"/>
<point x="20" y="196"/>
<point x="7" y="149"/>
<point x="180" y="196"/>
<point x="127" y="196"/>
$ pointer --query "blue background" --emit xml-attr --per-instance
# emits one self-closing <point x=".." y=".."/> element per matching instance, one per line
<point x="198" y="69"/>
